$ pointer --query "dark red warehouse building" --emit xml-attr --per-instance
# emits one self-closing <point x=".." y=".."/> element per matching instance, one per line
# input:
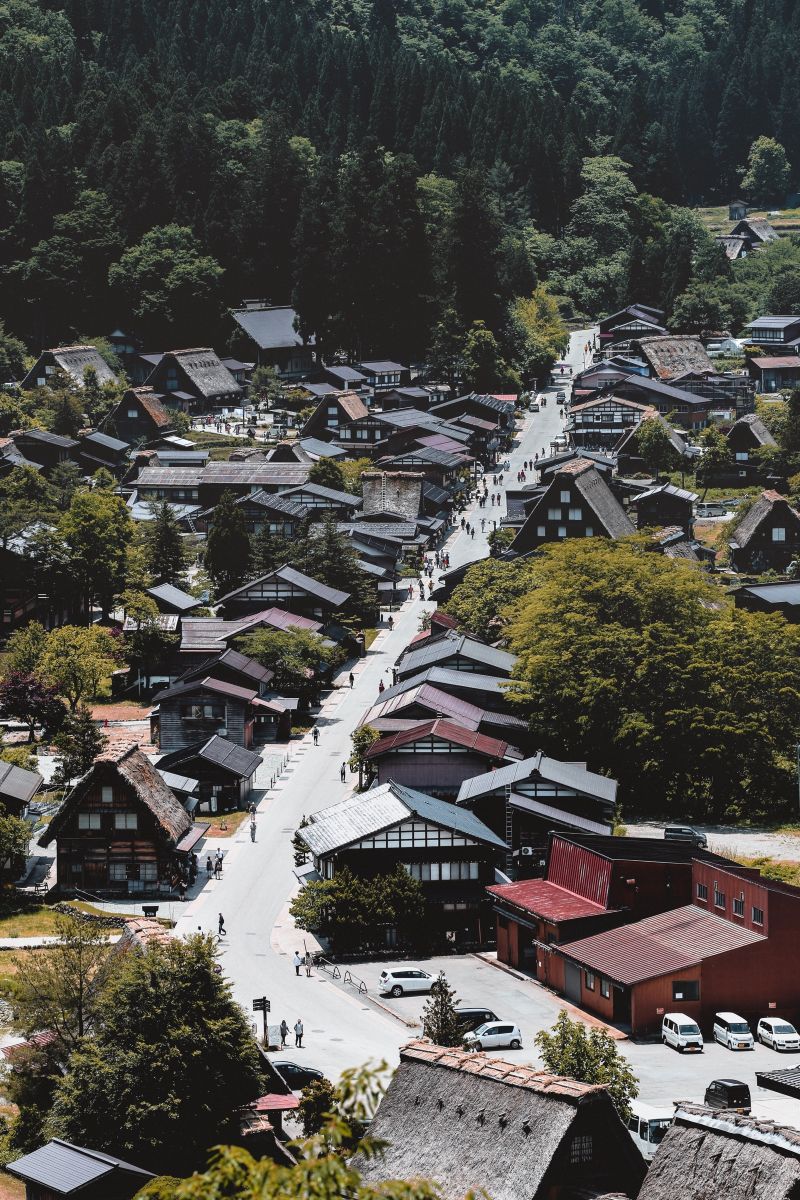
<point x="591" y="883"/>
<point x="733" y="947"/>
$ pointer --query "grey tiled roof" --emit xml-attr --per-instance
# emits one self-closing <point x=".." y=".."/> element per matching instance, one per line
<point x="572" y="775"/>
<point x="362" y="815"/>
<point x="451" y="644"/>
<point x="271" y="328"/>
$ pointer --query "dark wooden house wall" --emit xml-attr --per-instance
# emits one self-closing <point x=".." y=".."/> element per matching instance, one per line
<point x="87" y="858"/>
<point x="177" y="730"/>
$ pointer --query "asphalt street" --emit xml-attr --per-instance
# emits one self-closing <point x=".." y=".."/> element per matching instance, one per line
<point x="341" y="1028"/>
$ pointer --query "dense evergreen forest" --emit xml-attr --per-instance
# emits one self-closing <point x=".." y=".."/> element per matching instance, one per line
<point x="398" y="168"/>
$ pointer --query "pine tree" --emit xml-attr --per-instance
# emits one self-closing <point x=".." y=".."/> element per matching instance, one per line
<point x="228" y="554"/>
<point x="164" y="549"/>
<point x="440" y="1019"/>
<point x="78" y="743"/>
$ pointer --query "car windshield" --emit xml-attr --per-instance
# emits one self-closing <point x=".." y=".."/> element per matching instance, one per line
<point x="739" y="1027"/>
<point x="657" y="1128"/>
<point x="689" y="1029"/>
<point x="784" y="1029"/>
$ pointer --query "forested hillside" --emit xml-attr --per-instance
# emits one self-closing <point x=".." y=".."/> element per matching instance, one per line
<point x="393" y="166"/>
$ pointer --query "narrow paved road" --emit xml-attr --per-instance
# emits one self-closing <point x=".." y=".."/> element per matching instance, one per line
<point x="341" y="1029"/>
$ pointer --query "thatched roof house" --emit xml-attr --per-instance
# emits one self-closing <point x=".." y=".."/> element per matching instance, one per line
<point x="674" y="355"/>
<point x="707" y="1153"/>
<point x="468" y="1122"/>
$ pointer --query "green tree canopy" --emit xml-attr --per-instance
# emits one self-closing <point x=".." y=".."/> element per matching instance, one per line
<point x="96" y="530"/>
<point x="327" y="473"/>
<point x="589" y="1056"/>
<point x="628" y="660"/>
<point x="768" y="172"/>
<point x="355" y="913"/>
<point x="76" y="658"/>
<point x="169" y="1061"/>
<point x="165" y="552"/>
<point x="227" y="556"/>
<point x="440" y="1020"/>
<point x="168" y="282"/>
<point x="654" y="445"/>
<point x="77" y="743"/>
<point x="297" y="656"/>
<point x="487" y="591"/>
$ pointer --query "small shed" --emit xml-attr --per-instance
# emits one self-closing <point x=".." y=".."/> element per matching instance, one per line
<point x="737" y="210"/>
<point x="61" y="1169"/>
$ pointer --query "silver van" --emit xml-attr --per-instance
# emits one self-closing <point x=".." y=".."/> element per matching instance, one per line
<point x="681" y="1032"/>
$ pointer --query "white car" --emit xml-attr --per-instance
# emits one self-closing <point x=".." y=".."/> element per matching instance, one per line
<point x="732" y="1031"/>
<point x="403" y="980"/>
<point x="777" y="1033"/>
<point x="492" y="1036"/>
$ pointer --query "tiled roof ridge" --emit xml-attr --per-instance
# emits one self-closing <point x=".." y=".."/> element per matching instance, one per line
<point x="499" y="1071"/>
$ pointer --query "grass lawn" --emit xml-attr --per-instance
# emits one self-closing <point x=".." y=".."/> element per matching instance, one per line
<point x="232" y="821"/>
<point x="40" y="920"/>
<point x="369" y="637"/>
<point x="716" y="219"/>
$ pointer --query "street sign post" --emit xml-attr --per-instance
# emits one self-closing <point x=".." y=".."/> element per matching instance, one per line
<point x="261" y="1004"/>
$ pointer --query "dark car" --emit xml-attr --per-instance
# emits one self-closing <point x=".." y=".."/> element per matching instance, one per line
<point x="471" y="1017"/>
<point x="297" y="1077"/>
<point x="685" y="833"/>
<point x="728" y="1093"/>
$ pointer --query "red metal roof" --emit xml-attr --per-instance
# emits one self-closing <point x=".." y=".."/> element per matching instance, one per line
<point x="275" y="1102"/>
<point x="776" y="362"/>
<point x="659" y="945"/>
<point x="547" y="900"/>
<point x="449" y="731"/>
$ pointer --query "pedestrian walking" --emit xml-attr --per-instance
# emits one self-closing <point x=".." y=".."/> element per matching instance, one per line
<point x="298" y="962"/>
<point x="352" y="679"/>
<point x="381" y="686"/>
<point x="391" y="623"/>
<point x="221" y="930"/>
<point x="343" y="772"/>
<point x="252" y="829"/>
<point x="307" y="961"/>
<point x="315" y="735"/>
<point x="471" y="534"/>
<point x="284" y="1033"/>
<point x="209" y="866"/>
<point x="298" y="1033"/>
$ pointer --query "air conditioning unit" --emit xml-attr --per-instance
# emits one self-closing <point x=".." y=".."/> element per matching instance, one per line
<point x="527" y="851"/>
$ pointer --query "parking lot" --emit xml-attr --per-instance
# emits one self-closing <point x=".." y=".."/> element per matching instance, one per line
<point x="664" y="1074"/>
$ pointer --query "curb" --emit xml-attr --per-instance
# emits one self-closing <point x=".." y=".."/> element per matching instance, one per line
<point x="576" y="1013"/>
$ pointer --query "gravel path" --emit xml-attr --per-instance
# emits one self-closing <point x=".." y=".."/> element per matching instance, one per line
<point x="732" y="841"/>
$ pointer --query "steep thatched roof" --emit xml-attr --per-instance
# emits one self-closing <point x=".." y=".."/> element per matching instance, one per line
<point x="751" y="522"/>
<point x="134" y="772"/>
<point x="707" y="1153"/>
<point x="468" y="1122"/>
<point x="675" y="355"/>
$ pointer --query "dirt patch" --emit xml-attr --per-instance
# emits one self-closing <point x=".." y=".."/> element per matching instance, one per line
<point x="129" y="710"/>
<point x="226" y="826"/>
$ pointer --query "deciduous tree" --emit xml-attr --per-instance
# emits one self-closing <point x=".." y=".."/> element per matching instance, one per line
<point x="30" y="700"/>
<point x="589" y="1056"/>
<point x="76" y="658"/>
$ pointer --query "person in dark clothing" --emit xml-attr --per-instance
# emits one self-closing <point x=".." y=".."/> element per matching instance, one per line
<point x="284" y="1033"/>
<point x="343" y="773"/>
<point x="221" y="926"/>
<point x="298" y="1033"/>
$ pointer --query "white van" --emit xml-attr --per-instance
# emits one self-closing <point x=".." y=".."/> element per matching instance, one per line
<point x="681" y="1032"/>
<point x="647" y="1126"/>
<point x="732" y="1031"/>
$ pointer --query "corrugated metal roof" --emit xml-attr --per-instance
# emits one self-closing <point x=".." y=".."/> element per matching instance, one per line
<point x="444" y="678"/>
<point x="297" y="579"/>
<point x="64" y="1168"/>
<point x="174" y="596"/>
<point x="456" y="644"/>
<point x="433" y="699"/>
<point x="659" y="945"/>
<point x="17" y="783"/>
<point x="209" y="684"/>
<point x="448" y="731"/>
<point x="547" y="900"/>
<point x="347" y="499"/>
<point x="362" y="815"/>
<point x="572" y="775"/>
<point x="211" y="633"/>
<point x="270" y="328"/>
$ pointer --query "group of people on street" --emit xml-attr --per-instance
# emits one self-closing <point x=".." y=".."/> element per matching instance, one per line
<point x="302" y="960"/>
<point x="298" y="1033"/>
<point x="214" y="866"/>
